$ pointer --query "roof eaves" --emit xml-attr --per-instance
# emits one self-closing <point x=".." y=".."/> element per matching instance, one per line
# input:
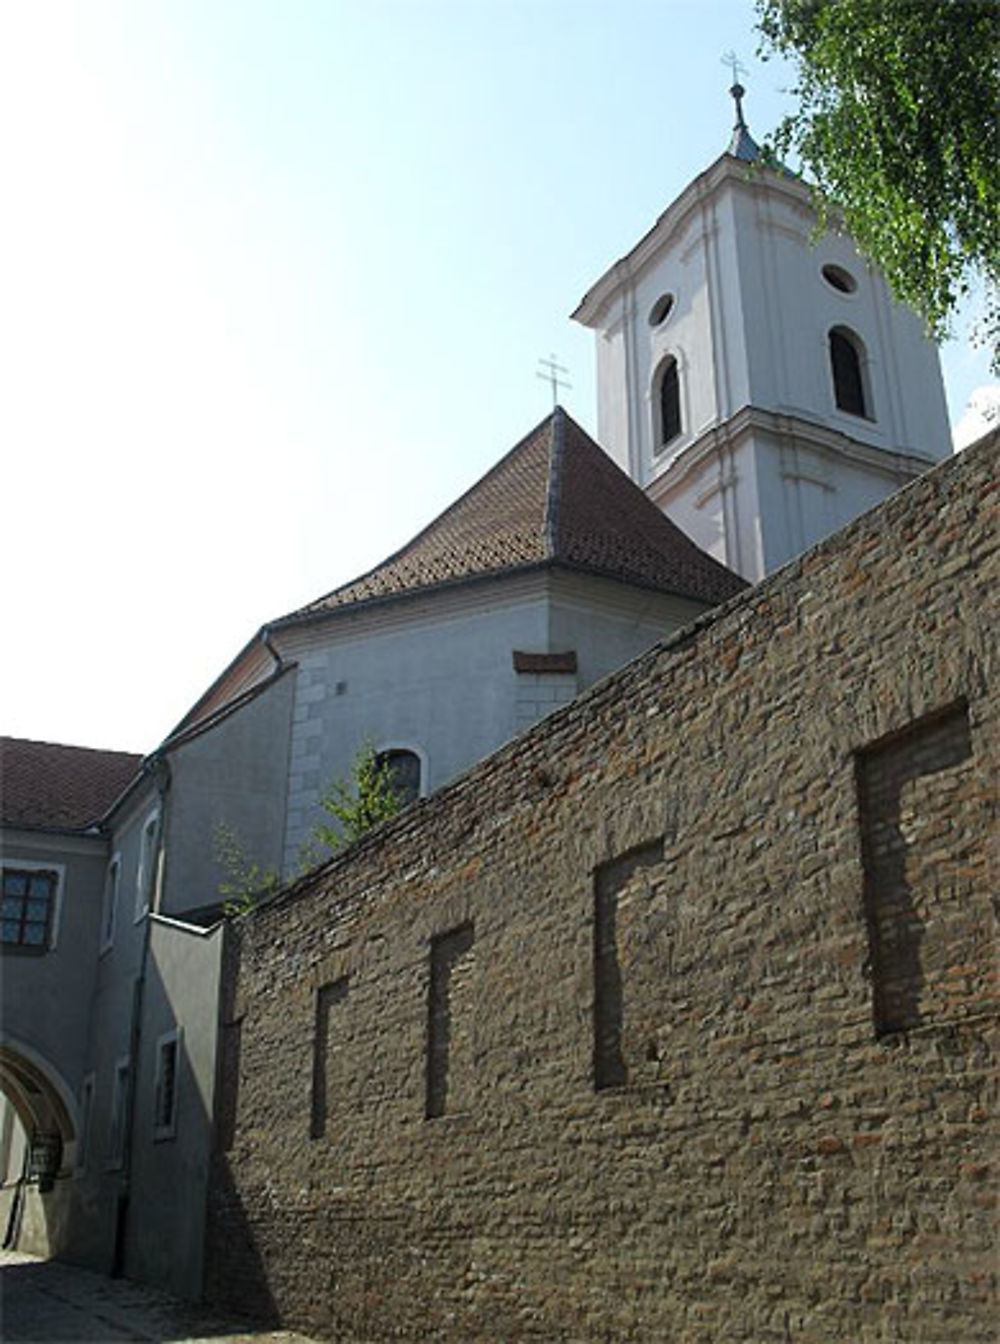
<point x="304" y="618"/>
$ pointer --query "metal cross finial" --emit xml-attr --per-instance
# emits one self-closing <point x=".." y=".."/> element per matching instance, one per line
<point x="551" y="376"/>
<point x="737" y="90"/>
<point x="735" y="64"/>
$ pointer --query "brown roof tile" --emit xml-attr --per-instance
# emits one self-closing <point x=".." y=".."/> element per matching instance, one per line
<point x="46" y="786"/>
<point x="556" y="498"/>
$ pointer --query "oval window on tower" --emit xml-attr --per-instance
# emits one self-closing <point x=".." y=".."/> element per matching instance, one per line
<point x="661" y="310"/>
<point x="839" y="279"/>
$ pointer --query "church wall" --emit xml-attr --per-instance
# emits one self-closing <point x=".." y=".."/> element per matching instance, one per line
<point x="235" y="774"/>
<point x="608" y="624"/>
<point x="435" y="677"/>
<point x="696" y="981"/>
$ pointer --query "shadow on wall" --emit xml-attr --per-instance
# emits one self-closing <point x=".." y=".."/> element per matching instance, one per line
<point x="235" y="1275"/>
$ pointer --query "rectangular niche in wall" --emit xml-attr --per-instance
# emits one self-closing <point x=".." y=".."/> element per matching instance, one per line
<point x="921" y="806"/>
<point x="610" y="880"/>
<point x="325" y="1044"/>
<point x="450" y="965"/>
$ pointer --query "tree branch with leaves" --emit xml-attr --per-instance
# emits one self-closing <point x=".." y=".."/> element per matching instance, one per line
<point x="897" y="126"/>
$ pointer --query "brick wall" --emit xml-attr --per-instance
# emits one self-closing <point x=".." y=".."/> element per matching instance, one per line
<point x="674" y="1020"/>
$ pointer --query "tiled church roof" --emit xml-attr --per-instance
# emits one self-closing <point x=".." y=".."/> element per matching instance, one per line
<point x="46" y="786"/>
<point x="556" y="498"/>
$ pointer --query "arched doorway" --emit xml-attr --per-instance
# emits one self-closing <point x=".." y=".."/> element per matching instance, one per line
<point x="38" y="1141"/>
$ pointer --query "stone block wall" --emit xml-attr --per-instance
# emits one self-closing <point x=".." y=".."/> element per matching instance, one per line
<point x="674" y="1020"/>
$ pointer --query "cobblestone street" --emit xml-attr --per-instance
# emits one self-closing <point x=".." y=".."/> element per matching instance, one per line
<point x="45" y="1300"/>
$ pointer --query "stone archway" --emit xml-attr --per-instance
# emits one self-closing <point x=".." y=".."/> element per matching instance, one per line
<point x="40" y="1129"/>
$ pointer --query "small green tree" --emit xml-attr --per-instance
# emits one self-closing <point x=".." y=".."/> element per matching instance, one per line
<point x="246" y="881"/>
<point x="365" y="799"/>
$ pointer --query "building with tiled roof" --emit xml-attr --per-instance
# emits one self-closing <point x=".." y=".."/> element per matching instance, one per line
<point x="50" y="787"/>
<point x="548" y="573"/>
<point x="755" y="391"/>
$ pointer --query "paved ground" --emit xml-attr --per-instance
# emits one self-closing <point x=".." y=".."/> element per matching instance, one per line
<point x="53" y="1303"/>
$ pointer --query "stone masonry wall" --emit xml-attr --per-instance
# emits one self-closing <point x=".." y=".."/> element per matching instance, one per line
<point x="673" y="1021"/>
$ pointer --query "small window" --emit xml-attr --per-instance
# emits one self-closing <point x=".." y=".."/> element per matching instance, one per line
<point x="119" y="1113"/>
<point x="839" y="279"/>
<point x="848" y="372"/>
<point x="86" y="1120"/>
<point x="145" y="882"/>
<point x="165" y="1088"/>
<point x="109" y="907"/>
<point x="29" y="899"/>
<point x="668" y="404"/>
<point x="661" y="310"/>
<point x="404" y="768"/>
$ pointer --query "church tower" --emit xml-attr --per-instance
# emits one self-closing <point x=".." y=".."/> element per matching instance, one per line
<point x="762" y="386"/>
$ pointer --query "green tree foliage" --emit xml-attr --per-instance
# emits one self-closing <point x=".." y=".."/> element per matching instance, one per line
<point x="897" y="124"/>
<point x="365" y="799"/>
<point x="246" y="882"/>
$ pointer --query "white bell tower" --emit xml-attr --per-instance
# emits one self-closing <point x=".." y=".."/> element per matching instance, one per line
<point x="761" y="385"/>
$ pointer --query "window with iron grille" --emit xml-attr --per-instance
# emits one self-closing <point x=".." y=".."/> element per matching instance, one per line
<point x="29" y="898"/>
<point x="165" y="1092"/>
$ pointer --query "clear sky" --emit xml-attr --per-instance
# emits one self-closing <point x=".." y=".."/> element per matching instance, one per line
<point x="276" y="275"/>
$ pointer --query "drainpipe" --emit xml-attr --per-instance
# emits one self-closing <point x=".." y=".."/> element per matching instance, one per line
<point x="159" y="765"/>
<point x="268" y="642"/>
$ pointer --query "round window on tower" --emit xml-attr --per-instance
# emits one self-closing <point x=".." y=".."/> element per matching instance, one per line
<point x="839" y="279"/>
<point x="661" y="310"/>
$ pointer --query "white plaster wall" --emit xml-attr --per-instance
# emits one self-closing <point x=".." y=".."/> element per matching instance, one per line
<point x="235" y="775"/>
<point x="434" y="677"/>
<point x="716" y="502"/>
<point x="608" y="624"/>
<point x="806" y="495"/>
<point x="612" y="401"/>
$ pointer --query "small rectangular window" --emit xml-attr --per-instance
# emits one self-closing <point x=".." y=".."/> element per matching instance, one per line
<point x="119" y="1113"/>
<point x="29" y="901"/>
<point x="165" y="1089"/>
<point x="109" y="907"/>
<point x="145" y="883"/>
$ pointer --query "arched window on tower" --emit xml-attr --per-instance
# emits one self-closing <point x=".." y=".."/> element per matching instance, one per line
<point x="668" y="401"/>
<point x="847" y="365"/>
<point x="404" y="767"/>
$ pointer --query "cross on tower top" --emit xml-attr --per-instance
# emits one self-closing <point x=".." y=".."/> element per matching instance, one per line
<point x="735" y="64"/>
<point x="737" y="89"/>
